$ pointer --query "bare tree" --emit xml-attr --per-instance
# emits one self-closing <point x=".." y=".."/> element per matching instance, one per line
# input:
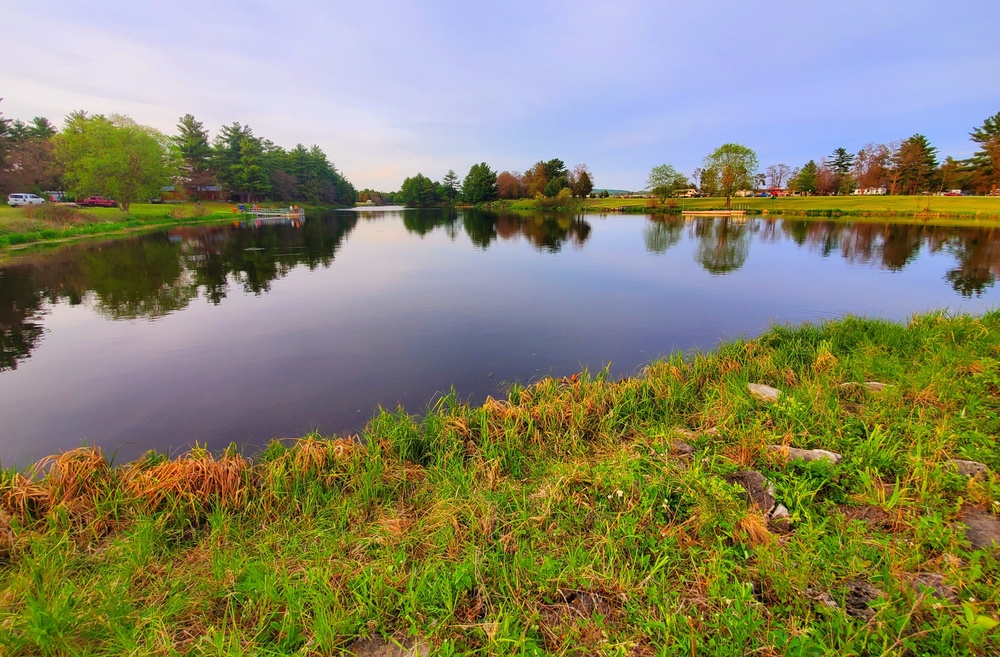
<point x="777" y="174"/>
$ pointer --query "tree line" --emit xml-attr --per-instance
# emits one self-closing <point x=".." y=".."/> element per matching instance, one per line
<point x="544" y="180"/>
<point x="117" y="157"/>
<point x="908" y="166"/>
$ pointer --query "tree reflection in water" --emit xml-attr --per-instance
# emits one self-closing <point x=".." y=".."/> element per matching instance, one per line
<point x="154" y="275"/>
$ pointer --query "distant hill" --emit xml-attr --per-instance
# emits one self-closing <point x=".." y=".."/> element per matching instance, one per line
<point x="611" y="191"/>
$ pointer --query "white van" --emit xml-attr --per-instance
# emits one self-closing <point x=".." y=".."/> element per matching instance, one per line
<point x="15" y="200"/>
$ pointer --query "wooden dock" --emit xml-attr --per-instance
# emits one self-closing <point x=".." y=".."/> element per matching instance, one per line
<point x="713" y="213"/>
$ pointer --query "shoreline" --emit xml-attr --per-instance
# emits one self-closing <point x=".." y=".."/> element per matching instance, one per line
<point x="109" y="222"/>
<point x="581" y="513"/>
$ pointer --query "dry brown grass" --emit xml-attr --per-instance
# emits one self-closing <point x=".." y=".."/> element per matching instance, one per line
<point x="193" y="481"/>
<point x="77" y="477"/>
<point x="752" y="528"/>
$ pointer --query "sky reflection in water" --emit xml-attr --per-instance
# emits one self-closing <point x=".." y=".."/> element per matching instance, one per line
<point x="221" y="334"/>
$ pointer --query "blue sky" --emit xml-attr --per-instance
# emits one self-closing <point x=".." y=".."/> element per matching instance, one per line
<point x="390" y="88"/>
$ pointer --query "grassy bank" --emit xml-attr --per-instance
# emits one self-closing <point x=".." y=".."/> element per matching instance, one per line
<point x="22" y="227"/>
<point x="569" y="518"/>
<point x="923" y="207"/>
<point x="55" y="222"/>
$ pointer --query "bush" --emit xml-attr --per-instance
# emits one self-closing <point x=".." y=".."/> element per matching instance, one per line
<point x="62" y="214"/>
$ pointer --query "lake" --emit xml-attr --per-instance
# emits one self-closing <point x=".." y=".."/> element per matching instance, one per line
<point x="244" y="332"/>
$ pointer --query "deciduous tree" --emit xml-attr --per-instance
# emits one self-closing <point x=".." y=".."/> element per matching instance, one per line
<point x="113" y="156"/>
<point x="664" y="180"/>
<point x="510" y="185"/>
<point x="580" y="181"/>
<point x="777" y="174"/>
<point x="734" y="166"/>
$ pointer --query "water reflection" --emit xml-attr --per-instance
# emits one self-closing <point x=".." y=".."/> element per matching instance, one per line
<point x="20" y="315"/>
<point x="723" y="245"/>
<point x="387" y="307"/>
<point x="155" y="275"/>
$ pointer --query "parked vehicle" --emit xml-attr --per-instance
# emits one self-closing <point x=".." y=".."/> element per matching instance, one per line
<point x="15" y="200"/>
<point x="98" y="201"/>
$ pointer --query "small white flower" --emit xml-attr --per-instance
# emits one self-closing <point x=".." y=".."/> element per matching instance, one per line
<point x="619" y="492"/>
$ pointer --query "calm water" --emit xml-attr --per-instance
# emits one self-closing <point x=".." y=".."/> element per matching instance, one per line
<point x="242" y="333"/>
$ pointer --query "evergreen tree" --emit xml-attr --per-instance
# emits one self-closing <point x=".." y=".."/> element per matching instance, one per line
<point x="41" y="128"/>
<point x="841" y="163"/>
<point x="450" y="184"/>
<point x="805" y="182"/>
<point x="480" y="184"/>
<point x="226" y="153"/>
<point x="986" y="161"/>
<point x="191" y="142"/>
<point x="916" y="164"/>
<point x="249" y="176"/>
<point x="418" y="192"/>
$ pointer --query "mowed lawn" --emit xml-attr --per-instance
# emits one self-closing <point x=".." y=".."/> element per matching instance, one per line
<point x="953" y="205"/>
<point x="53" y="222"/>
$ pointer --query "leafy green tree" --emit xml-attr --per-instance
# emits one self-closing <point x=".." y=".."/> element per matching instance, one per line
<point x="191" y="142"/>
<point x="480" y="184"/>
<point x="805" y="182"/>
<point x="708" y="181"/>
<point x="554" y="186"/>
<point x="987" y="160"/>
<point x="113" y="156"/>
<point x="450" y="184"/>
<point x="664" y="180"/>
<point x="735" y="167"/>
<point x="418" y="192"/>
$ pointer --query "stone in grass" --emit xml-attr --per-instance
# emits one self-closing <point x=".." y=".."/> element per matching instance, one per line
<point x="969" y="468"/>
<point x="379" y="647"/>
<point x="982" y="530"/>
<point x="764" y="393"/>
<point x="859" y="594"/>
<point x="934" y="584"/>
<point x="758" y="489"/>
<point x="780" y="519"/>
<point x="796" y="454"/>
<point x="823" y="598"/>
<point x="681" y="448"/>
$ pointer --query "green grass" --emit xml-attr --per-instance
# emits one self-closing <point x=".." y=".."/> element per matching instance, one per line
<point x="558" y="521"/>
<point x="946" y="206"/>
<point x="20" y="227"/>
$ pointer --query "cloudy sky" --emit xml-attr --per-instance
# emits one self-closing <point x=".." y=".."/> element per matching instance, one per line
<point x="389" y="88"/>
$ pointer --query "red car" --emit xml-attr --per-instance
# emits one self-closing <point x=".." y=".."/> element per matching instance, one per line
<point x="98" y="201"/>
